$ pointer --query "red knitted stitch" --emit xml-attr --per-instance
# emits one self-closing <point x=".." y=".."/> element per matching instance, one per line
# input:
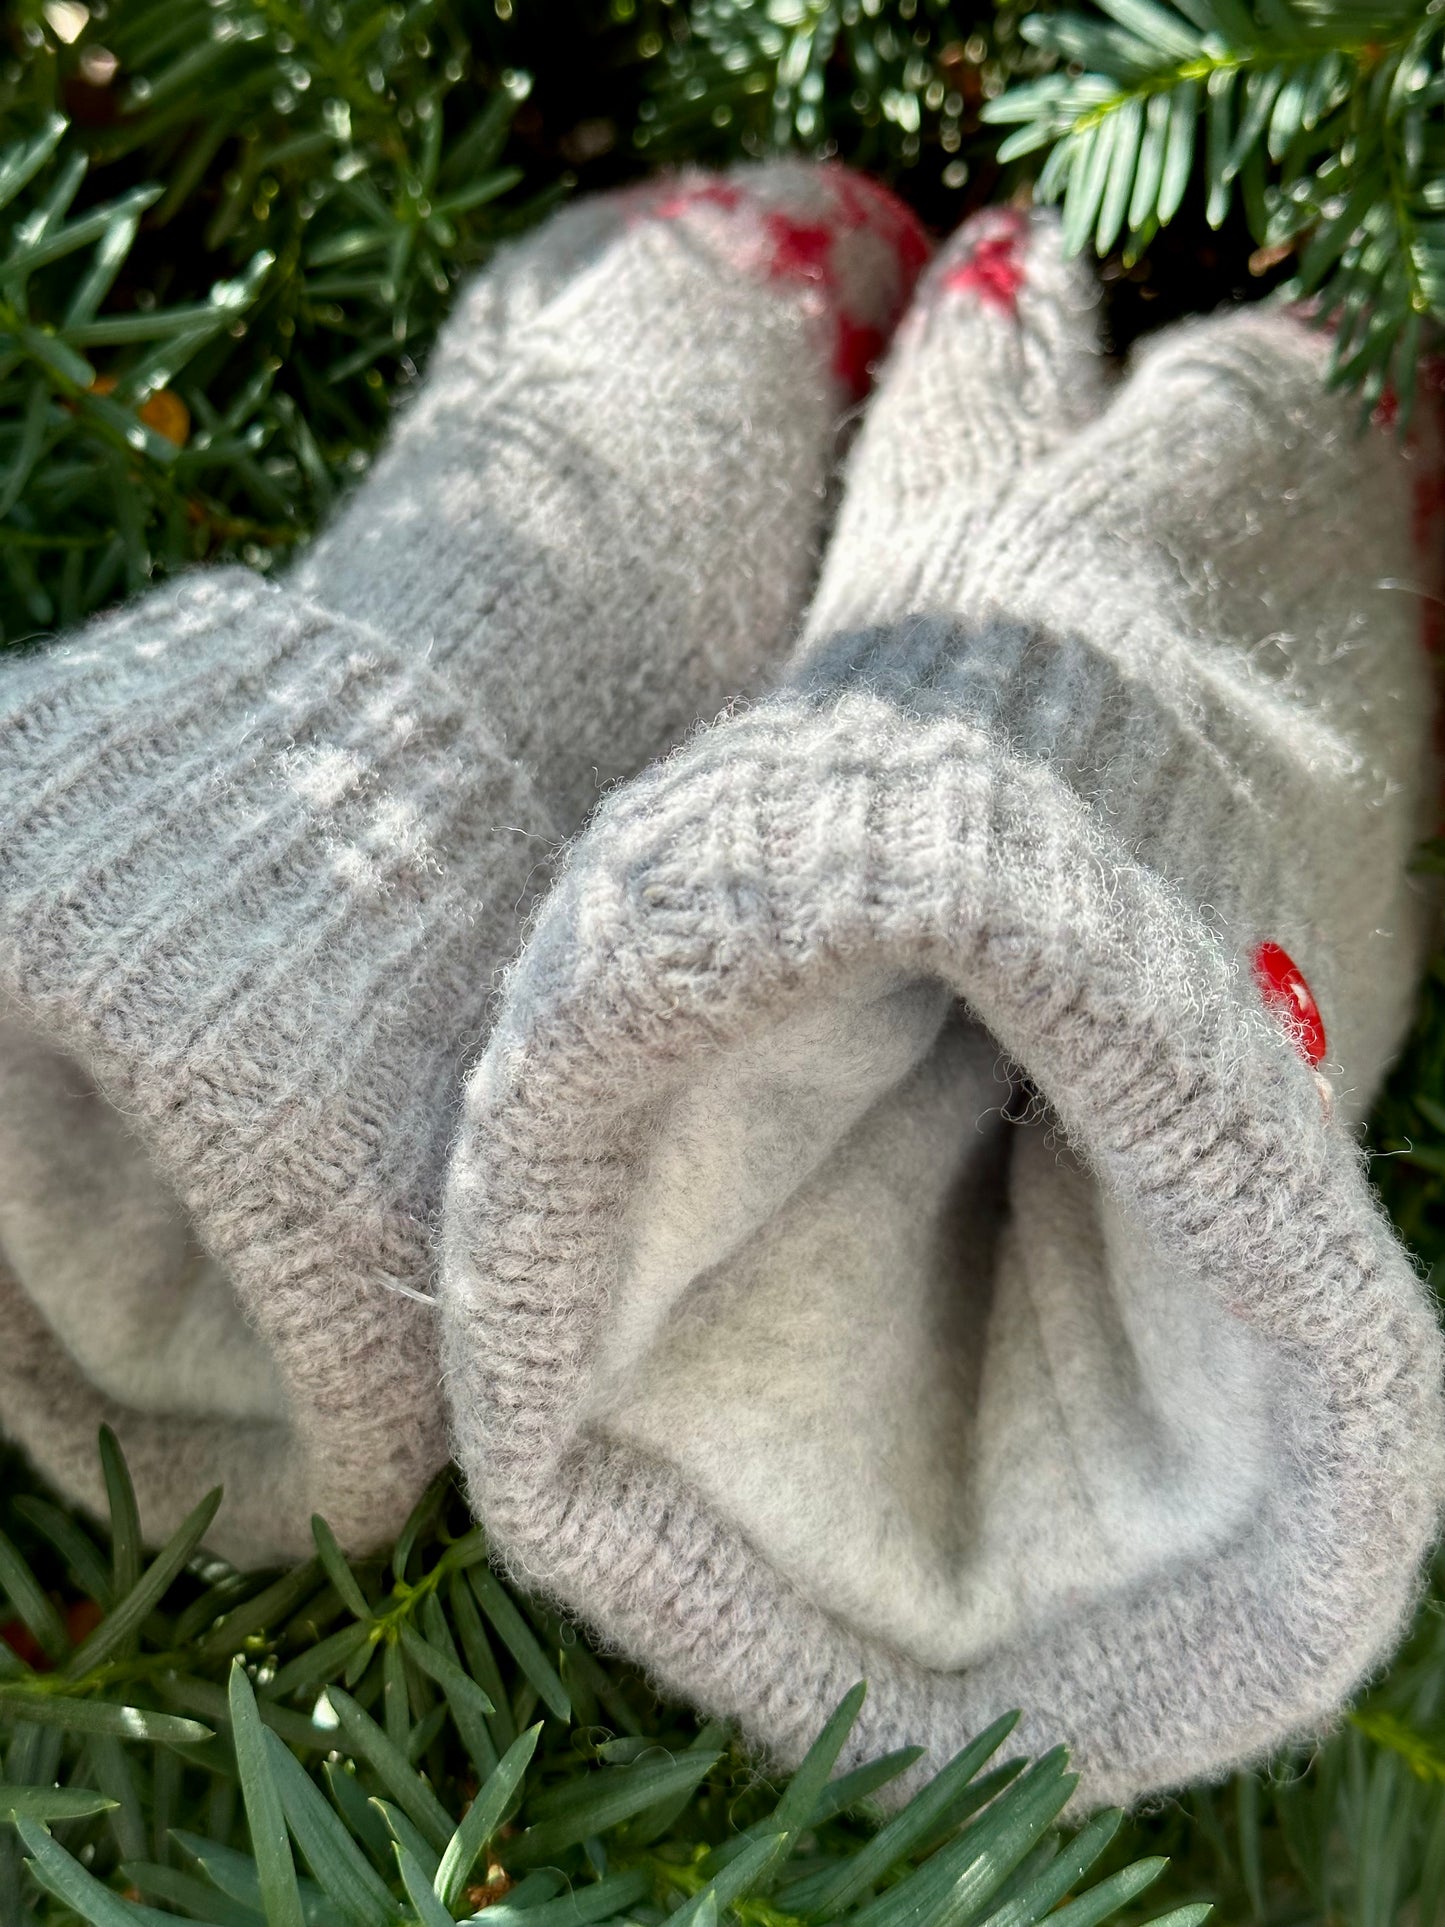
<point x="865" y="203"/>
<point x="805" y="250"/>
<point x="994" y="270"/>
<point x="1283" y="987"/>
<point x="704" y="194"/>
<point x="857" y="350"/>
<point x="800" y="248"/>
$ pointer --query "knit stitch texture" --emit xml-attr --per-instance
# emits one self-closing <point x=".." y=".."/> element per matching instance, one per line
<point x="267" y="846"/>
<point x="896" y="1232"/>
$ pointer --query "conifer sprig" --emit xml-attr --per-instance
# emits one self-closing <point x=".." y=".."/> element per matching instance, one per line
<point x="217" y="268"/>
<point x="408" y="1745"/>
<point x="199" y="113"/>
<point x="1327" y="122"/>
<point x="893" y="88"/>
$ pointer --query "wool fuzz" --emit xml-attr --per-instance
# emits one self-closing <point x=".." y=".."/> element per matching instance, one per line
<point x="898" y="1231"/>
<point x="266" y="847"/>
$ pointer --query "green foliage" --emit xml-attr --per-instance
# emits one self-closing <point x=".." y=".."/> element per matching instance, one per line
<point x="896" y="89"/>
<point x="366" y="1746"/>
<point x="1324" y="120"/>
<point x="1409" y="1127"/>
<point x="231" y="231"/>
<point x="215" y="277"/>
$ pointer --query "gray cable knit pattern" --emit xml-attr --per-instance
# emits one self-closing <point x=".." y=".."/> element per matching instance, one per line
<point x="266" y="847"/>
<point x="908" y="1223"/>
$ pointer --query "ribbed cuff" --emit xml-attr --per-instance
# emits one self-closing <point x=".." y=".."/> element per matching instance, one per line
<point x="258" y="872"/>
<point x="723" y="907"/>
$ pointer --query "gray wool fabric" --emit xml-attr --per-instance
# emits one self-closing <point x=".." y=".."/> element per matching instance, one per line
<point x="267" y="846"/>
<point x="898" y="1232"/>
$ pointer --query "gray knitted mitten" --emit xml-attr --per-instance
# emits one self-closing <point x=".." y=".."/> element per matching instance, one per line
<point x="907" y="1223"/>
<point x="265" y="847"/>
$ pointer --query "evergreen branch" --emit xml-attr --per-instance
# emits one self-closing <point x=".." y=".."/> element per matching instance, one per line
<point x="130" y="1764"/>
<point x="1425" y="1759"/>
<point x="117" y="1813"/>
<point x="885" y="88"/>
<point x="136" y="434"/>
<point x="1324" y="121"/>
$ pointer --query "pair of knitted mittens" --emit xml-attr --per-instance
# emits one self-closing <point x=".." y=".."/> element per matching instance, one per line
<point x="266" y="848"/>
<point x="906" y="1223"/>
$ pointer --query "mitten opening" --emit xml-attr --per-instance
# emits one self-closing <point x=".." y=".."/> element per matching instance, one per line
<point x="877" y="1312"/>
<point x="102" y="1248"/>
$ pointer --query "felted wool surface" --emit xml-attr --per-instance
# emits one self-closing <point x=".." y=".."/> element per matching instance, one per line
<point x="899" y="1230"/>
<point x="266" y="846"/>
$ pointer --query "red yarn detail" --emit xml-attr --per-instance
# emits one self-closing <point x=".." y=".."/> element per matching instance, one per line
<point x="994" y="272"/>
<point x="800" y="249"/>
<point x="1283" y="987"/>
<point x="867" y="203"/>
<point x="856" y="351"/>
<point x="864" y="204"/>
<point x="705" y="194"/>
<point x="805" y="251"/>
